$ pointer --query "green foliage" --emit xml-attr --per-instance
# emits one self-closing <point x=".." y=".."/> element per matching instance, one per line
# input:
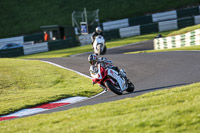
<point x="172" y="110"/>
<point x="24" y="83"/>
<point x="25" y="17"/>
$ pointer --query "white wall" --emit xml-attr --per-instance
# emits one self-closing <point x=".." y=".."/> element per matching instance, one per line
<point x="168" y="25"/>
<point x="115" y="24"/>
<point x="197" y="19"/>
<point x="36" y="48"/>
<point x="164" y="16"/>
<point x="129" y="31"/>
<point x="19" y="39"/>
<point x="85" y="39"/>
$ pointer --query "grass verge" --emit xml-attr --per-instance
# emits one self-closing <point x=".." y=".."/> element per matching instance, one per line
<point x="184" y="30"/>
<point x="170" y="110"/>
<point x="88" y="48"/>
<point x="24" y="83"/>
<point x="189" y="48"/>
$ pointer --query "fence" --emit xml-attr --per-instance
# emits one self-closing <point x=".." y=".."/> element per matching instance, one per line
<point x="145" y="29"/>
<point x="85" y="39"/>
<point x="157" y="17"/>
<point x="152" y="18"/>
<point x="19" y="39"/>
<point x="115" y="24"/>
<point x="168" y="25"/>
<point x="61" y="44"/>
<point x="38" y="47"/>
<point x="158" y="26"/>
<point x="35" y="48"/>
<point x="11" y="52"/>
<point x="129" y="31"/>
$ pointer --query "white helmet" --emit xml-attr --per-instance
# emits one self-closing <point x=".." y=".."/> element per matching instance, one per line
<point x="98" y="29"/>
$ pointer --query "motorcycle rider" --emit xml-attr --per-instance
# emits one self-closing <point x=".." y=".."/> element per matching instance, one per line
<point x="97" y="32"/>
<point x="94" y="61"/>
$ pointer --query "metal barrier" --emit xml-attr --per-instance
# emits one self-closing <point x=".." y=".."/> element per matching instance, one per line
<point x="35" y="48"/>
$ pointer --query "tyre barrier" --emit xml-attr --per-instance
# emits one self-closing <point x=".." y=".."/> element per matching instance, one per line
<point x="188" y="39"/>
<point x="34" y="48"/>
<point x="152" y="18"/>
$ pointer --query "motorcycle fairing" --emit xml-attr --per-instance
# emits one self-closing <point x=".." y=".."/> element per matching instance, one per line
<point x="99" y="40"/>
<point x="121" y="81"/>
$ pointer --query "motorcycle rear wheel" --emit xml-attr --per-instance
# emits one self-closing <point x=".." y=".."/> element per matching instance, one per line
<point x="109" y="86"/>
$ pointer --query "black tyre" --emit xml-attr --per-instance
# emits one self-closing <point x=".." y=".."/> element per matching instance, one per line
<point x="131" y="87"/>
<point x="109" y="86"/>
<point x="98" y="49"/>
<point x="104" y="51"/>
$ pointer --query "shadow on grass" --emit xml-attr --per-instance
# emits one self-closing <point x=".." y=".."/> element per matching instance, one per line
<point x="154" y="89"/>
<point x="86" y="93"/>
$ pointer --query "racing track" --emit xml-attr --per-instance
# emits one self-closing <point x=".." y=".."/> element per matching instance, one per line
<point x="149" y="72"/>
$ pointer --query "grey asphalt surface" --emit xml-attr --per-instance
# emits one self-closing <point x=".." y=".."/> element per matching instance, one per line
<point x="148" y="71"/>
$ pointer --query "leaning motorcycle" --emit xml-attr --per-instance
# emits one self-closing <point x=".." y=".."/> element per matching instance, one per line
<point x="111" y="79"/>
<point x="99" y="45"/>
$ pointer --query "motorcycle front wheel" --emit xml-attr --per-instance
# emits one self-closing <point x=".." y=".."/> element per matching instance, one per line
<point x="104" y="51"/>
<point x="131" y="87"/>
<point x="111" y="87"/>
<point x="99" y="49"/>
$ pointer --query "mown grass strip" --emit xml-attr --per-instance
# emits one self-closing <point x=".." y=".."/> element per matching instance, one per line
<point x="171" y="110"/>
<point x="24" y="83"/>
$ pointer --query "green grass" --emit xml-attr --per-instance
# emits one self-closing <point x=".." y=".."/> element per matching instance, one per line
<point x="171" y="110"/>
<point x="88" y="48"/>
<point x="184" y="30"/>
<point x="24" y="83"/>
<point x="189" y="48"/>
<point x="28" y="16"/>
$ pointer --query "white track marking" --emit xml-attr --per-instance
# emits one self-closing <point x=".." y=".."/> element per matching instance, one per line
<point x="25" y="112"/>
<point x="71" y="100"/>
<point x="67" y="69"/>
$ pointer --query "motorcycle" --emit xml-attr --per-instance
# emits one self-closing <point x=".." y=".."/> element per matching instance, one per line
<point x="111" y="79"/>
<point x="99" y="45"/>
